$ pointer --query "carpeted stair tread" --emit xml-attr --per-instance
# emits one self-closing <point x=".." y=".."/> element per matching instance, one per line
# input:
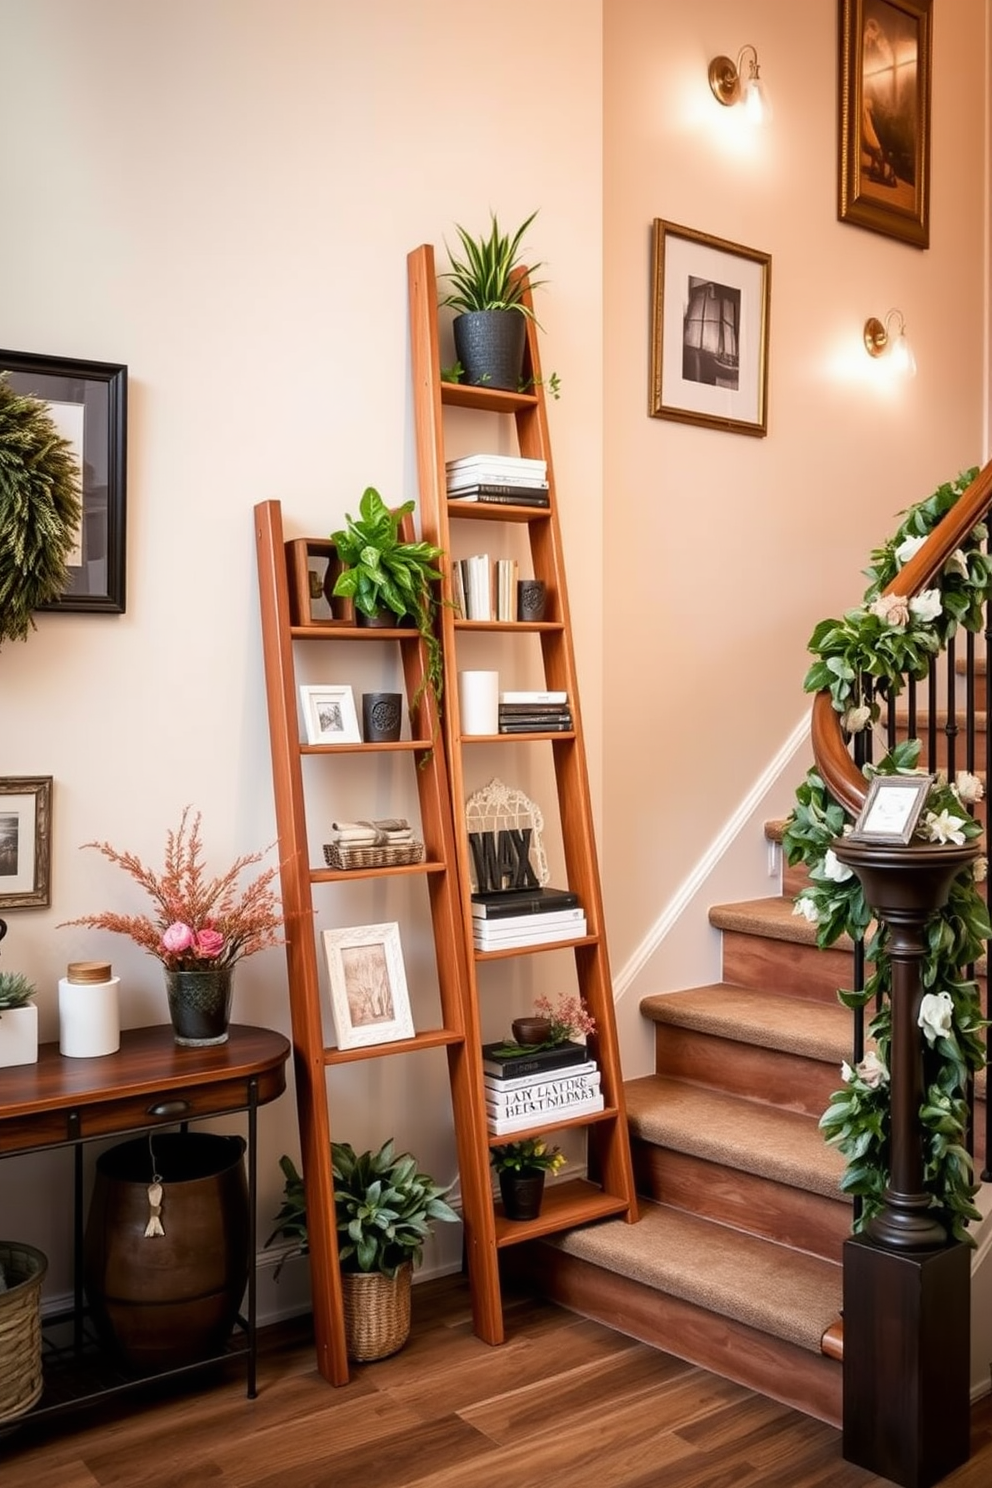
<point x="773" y="917"/>
<point x="761" y="1139"/>
<point x="815" y="1030"/>
<point x="785" y="1293"/>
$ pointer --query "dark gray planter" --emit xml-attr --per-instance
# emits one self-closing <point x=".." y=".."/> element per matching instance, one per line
<point x="490" y="346"/>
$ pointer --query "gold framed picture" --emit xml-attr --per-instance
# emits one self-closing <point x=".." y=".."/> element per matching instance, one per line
<point x="885" y="48"/>
<point x="709" y="331"/>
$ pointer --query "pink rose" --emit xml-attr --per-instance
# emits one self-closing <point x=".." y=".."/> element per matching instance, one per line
<point x="209" y="943"/>
<point x="177" y="938"/>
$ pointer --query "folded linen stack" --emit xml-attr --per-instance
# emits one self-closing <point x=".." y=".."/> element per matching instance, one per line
<point x="383" y="832"/>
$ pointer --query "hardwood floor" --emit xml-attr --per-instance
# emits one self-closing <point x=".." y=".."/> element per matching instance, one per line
<point x="563" y="1402"/>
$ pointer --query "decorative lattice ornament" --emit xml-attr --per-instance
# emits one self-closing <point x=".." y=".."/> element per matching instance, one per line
<point x="504" y="835"/>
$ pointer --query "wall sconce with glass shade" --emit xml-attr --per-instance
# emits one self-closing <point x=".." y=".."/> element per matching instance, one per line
<point x="881" y="341"/>
<point x="729" y="87"/>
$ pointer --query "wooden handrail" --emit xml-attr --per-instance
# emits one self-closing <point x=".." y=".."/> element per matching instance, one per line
<point x="840" y="774"/>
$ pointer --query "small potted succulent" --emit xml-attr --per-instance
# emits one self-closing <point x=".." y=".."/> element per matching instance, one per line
<point x="521" y="1168"/>
<point x="388" y="579"/>
<point x="487" y="291"/>
<point x="385" y="1209"/>
<point x="18" y="1020"/>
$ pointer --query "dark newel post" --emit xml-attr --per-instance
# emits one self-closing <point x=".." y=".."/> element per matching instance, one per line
<point x="907" y="1287"/>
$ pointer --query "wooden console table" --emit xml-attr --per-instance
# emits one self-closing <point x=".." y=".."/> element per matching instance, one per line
<point x="151" y="1081"/>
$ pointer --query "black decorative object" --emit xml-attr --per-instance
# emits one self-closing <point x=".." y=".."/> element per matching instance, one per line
<point x="381" y="717"/>
<point x="532" y="598"/>
<point x="490" y="346"/>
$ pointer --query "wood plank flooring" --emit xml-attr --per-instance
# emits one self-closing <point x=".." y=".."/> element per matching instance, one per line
<point x="563" y="1402"/>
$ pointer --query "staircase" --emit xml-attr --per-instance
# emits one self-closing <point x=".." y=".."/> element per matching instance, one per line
<point x="735" y="1264"/>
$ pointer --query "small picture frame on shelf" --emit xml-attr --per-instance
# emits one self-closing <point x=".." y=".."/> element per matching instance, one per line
<point x="892" y="809"/>
<point x="369" y="998"/>
<point x="329" y="714"/>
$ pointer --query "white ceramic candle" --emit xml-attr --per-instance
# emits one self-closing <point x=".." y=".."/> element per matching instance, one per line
<point x="478" y="700"/>
<point x="89" y="1010"/>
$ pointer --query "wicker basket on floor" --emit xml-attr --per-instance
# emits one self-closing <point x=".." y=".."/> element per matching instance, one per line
<point x="376" y="1313"/>
<point x="20" y="1329"/>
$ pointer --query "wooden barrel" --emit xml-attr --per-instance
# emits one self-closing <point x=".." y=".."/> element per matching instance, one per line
<point x="165" y="1300"/>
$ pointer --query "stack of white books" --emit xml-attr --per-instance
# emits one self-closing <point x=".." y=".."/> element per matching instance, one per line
<point x="532" y="926"/>
<point x="476" y="477"/>
<point x="540" y="1099"/>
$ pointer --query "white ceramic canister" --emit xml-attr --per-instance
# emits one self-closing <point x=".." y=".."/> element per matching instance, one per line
<point x="89" y="1010"/>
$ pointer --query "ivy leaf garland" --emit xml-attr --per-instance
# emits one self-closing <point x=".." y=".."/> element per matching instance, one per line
<point x="860" y="658"/>
<point x="40" y="509"/>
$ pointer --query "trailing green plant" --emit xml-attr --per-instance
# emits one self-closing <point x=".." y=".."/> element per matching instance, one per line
<point x="40" y="510"/>
<point x="859" y="659"/>
<point x="384" y="1208"/>
<point x="526" y="1158"/>
<point x="384" y="572"/>
<point x="490" y="275"/>
<point x="16" y="991"/>
<point x="552" y="382"/>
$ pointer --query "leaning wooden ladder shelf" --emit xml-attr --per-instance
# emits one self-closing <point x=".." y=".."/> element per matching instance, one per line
<point x="580" y="1201"/>
<point x="313" y="1057"/>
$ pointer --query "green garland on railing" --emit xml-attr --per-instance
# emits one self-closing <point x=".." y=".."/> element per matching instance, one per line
<point x="885" y="639"/>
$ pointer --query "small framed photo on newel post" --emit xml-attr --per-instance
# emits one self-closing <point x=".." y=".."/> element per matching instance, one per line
<point x="891" y="810"/>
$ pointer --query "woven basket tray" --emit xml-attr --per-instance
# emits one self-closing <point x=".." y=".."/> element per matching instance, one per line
<point x="342" y="855"/>
<point x="20" y="1329"/>
<point x="376" y="1312"/>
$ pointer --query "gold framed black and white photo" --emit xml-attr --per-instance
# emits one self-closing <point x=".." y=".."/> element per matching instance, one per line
<point x="892" y="809"/>
<point x="885" y="48"/>
<point x="369" y="998"/>
<point x="25" y="841"/>
<point x="709" y="331"/>
<point x="87" y="403"/>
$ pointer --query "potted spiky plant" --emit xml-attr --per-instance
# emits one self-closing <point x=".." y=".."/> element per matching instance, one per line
<point x="384" y="1210"/>
<point x="487" y="289"/>
<point x="18" y="1019"/>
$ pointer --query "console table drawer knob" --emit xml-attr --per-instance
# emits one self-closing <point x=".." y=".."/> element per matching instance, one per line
<point x="170" y="1108"/>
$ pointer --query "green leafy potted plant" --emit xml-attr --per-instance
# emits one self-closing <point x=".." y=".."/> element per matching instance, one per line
<point x="487" y="289"/>
<point x="388" y="577"/>
<point x="18" y="1020"/>
<point x="521" y="1168"/>
<point x="384" y="1210"/>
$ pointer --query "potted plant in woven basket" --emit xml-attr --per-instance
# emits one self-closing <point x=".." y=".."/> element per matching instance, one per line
<point x="384" y="1210"/>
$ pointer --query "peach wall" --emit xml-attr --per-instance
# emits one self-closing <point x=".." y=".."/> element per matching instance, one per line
<point x="722" y="551"/>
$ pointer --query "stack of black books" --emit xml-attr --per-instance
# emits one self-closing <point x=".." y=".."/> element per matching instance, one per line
<point x="538" y="1087"/>
<point x="509" y="480"/>
<point x="534" y="713"/>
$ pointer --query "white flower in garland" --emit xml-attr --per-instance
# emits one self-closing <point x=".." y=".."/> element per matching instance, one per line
<point x="958" y="560"/>
<point x="893" y="609"/>
<point x="980" y="869"/>
<point x="855" y="719"/>
<point x="968" y="787"/>
<point x="944" y="827"/>
<point x="834" y="869"/>
<point x="936" y="1015"/>
<point x="807" y="910"/>
<point x="908" y="548"/>
<point x="870" y="1071"/>
<point x="926" y="606"/>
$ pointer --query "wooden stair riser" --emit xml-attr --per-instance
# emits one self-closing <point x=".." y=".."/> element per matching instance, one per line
<point x="787" y="968"/>
<point x="806" y="1381"/>
<point x="774" y="1077"/>
<point x="745" y="1201"/>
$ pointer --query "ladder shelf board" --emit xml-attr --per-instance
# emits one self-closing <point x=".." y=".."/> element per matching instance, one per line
<point x="557" y="1123"/>
<point x="341" y="630"/>
<point x="362" y="748"/>
<point x="576" y="1202"/>
<point x="492" y="511"/>
<point x="502" y="738"/>
<point x="350" y="875"/>
<point x="516" y="627"/>
<point x="535" y="947"/>
<point x="489" y="400"/>
<point x="434" y="1038"/>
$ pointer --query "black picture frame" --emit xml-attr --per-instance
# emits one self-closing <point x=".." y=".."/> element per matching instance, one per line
<point x="89" y="404"/>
